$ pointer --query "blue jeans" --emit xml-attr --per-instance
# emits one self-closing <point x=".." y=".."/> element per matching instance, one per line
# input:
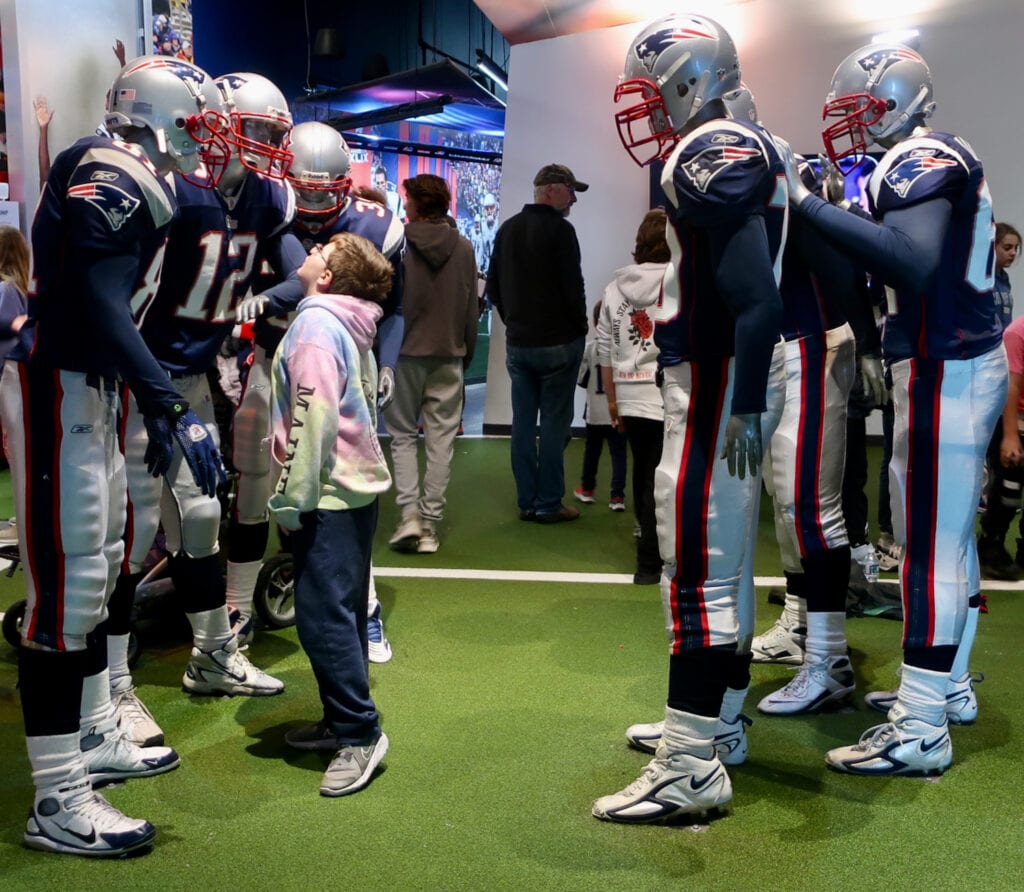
<point x="332" y="575"/>
<point x="544" y="381"/>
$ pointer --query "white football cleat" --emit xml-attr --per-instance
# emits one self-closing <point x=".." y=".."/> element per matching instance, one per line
<point x="780" y="644"/>
<point x="903" y="745"/>
<point x="110" y="756"/>
<point x="227" y="671"/>
<point x="961" y="700"/>
<point x="815" y="686"/>
<point x="668" y="788"/>
<point x="135" y="719"/>
<point x="730" y="740"/>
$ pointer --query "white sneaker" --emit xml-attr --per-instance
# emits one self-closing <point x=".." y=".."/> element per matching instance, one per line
<point x="352" y="767"/>
<point x="378" y="646"/>
<point x="9" y="532"/>
<point x="780" y="644"/>
<point x="428" y="542"/>
<point x="669" y="787"/>
<point x="110" y="756"/>
<point x="903" y="745"/>
<point x="815" y="686"/>
<point x="961" y="700"/>
<point x="730" y="740"/>
<point x="135" y="719"/>
<point x="73" y="819"/>
<point x="407" y="535"/>
<point x="227" y="671"/>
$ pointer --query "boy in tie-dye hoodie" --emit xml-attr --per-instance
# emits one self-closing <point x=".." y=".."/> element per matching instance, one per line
<point x="331" y="470"/>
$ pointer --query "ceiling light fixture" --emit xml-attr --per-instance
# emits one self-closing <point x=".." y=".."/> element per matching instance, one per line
<point x="492" y="69"/>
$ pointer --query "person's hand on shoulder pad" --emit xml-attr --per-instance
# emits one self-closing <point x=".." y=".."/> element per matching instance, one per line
<point x="797" y="190"/>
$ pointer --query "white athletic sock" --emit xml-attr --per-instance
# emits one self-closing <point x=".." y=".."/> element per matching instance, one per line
<point x="963" y="652"/>
<point x="53" y="758"/>
<point x="922" y="693"/>
<point x="794" y="612"/>
<point x="732" y="705"/>
<point x="211" y="629"/>
<point x="117" y="663"/>
<point x="685" y="732"/>
<point x="826" y="636"/>
<point x="97" y="708"/>
<point x="241" y="584"/>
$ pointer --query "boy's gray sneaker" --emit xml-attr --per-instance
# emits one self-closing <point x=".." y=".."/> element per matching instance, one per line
<point x="352" y="767"/>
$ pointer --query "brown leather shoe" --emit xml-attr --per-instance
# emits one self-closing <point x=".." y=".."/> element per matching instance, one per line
<point x="562" y="515"/>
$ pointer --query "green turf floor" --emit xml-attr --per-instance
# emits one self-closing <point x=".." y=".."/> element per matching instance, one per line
<point x="505" y="704"/>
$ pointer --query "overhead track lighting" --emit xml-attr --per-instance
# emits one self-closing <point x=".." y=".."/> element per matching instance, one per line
<point x="492" y="69"/>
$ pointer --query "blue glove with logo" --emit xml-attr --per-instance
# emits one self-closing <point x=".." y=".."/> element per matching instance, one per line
<point x="200" y="452"/>
<point x="183" y="425"/>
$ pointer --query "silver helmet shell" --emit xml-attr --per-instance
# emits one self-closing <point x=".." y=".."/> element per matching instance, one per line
<point x="260" y="122"/>
<point x="674" y="67"/>
<point x="319" y="169"/>
<point x="168" y="97"/>
<point x="878" y="94"/>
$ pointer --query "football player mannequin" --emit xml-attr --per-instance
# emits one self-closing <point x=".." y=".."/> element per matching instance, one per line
<point x="723" y="385"/>
<point x="932" y="247"/>
<point x="319" y="173"/>
<point x="98" y="242"/>
<point x="220" y="238"/>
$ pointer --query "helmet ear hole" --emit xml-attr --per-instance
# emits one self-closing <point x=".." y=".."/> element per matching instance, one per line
<point x="179" y="123"/>
<point x="890" y="104"/>
<point x="682" y="90"/>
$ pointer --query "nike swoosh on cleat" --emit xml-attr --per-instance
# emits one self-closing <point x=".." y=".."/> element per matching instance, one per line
<point x="927" y="747"/>
<point x="699" y="784"/>
<point x="88" y="839"/>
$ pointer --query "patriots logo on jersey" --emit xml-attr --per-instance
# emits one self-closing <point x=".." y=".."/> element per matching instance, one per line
<point x="652" y="46"/>
<point x="709" y="163"/>
<point x="903" y="176"/>
<point x="114" y="203"/>
<point x="871" y="61"/>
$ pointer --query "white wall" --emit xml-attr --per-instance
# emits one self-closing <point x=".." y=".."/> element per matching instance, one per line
<point x="61" y="49"/>
<point x="560" y="109"/>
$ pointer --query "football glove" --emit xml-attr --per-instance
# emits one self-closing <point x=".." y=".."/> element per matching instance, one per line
<point x="251" y="307"/>
<point x="874" y="379"/>
<point x="200" y="452"/>
<point x="160" y="449"/>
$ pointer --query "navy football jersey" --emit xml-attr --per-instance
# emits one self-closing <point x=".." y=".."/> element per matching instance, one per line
<point x="98" y="240"/>
<point x="373" y="222"/>
<point x="215" y="249"/>
<point x="723" y="171"/>
<point x="956" y="316"/>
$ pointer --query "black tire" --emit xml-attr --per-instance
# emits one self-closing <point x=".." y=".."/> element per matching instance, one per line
<point x="13" y="617"/>
<point x="134" y="649"/>
<point x="274" y="598"/>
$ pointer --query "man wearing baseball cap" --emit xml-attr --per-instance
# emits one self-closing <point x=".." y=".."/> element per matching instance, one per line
<point x="535" y="282"/>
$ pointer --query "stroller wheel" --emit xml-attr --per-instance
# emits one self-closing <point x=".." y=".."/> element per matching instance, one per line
<point x="274" y="598"/>
<point x="13" y="617"/>
<point x="134" y="649"/>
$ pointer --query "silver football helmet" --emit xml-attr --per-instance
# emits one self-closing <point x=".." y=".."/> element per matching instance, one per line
<point x="173" y="100"/>
<point x="741" y="104"/>
<point x="879" y="93"/>
<point x="674" y="68"/>
<point x="319" y="168"/>
<point x="260" y="122"/>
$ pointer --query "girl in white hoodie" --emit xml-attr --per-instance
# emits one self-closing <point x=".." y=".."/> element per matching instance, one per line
<point x="629" y="361"/>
